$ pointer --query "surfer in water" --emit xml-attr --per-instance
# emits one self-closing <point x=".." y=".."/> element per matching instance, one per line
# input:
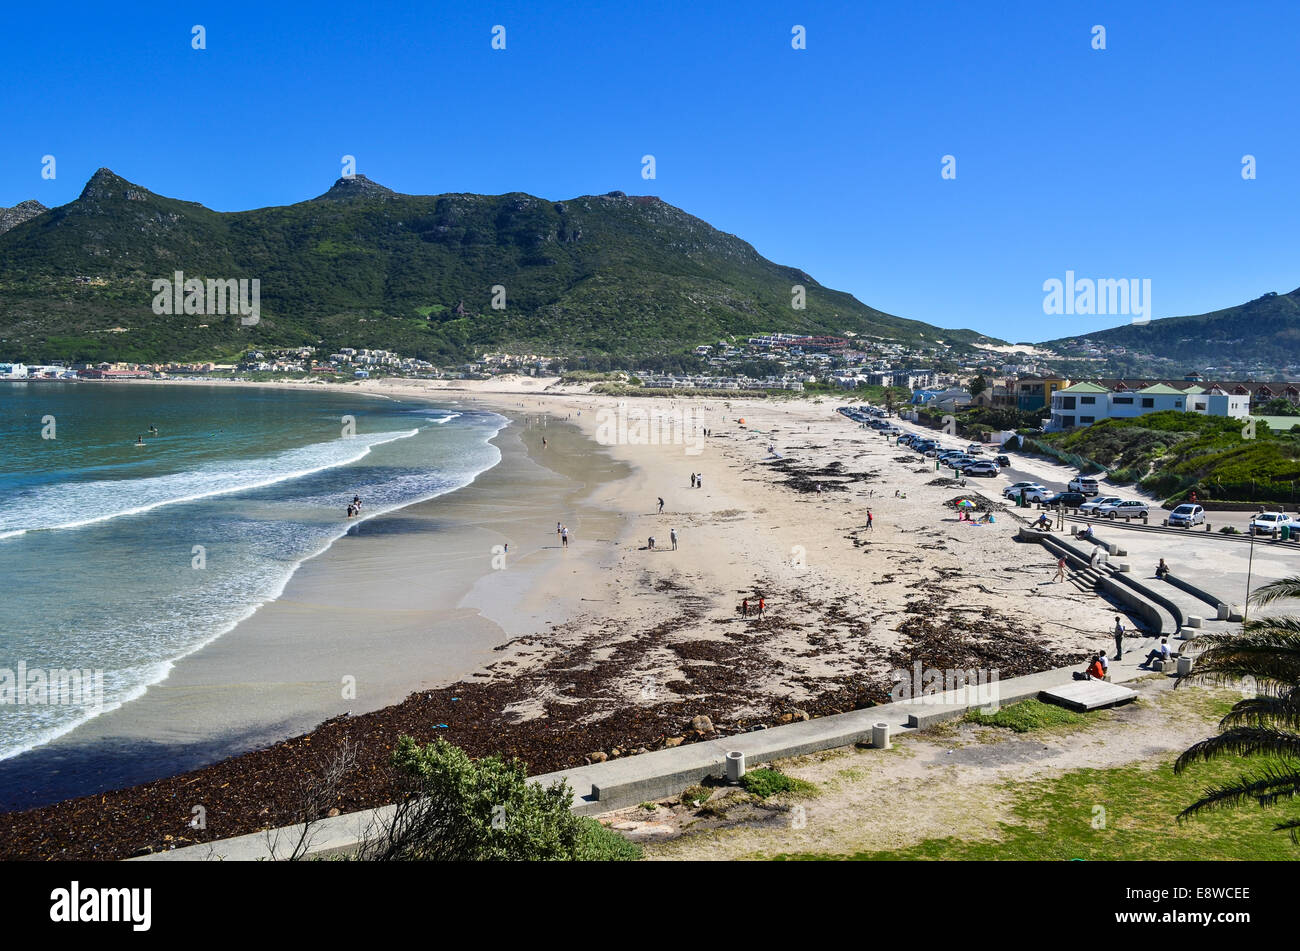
<point x="153" y="430"/>
<point x="139" y="440"/>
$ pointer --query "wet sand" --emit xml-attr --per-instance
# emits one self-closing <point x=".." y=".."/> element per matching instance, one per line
<point x="406" y="601"/>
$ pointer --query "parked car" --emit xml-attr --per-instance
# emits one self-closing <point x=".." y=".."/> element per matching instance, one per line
<point x="1013" y="491"/>
<point x="980" y="467"/>
<point x="1186" y="515"/>
<point x="1270" y="522"/>
<point x="975" y="449"/>
<point x="1069" y="500"/>
<point x="1042" y="494"/>
<point x="1085" y="484"/>
<point x="1090" y="508"/>
<point x="1125" y="508"/>
<point x="1003" y="461"/>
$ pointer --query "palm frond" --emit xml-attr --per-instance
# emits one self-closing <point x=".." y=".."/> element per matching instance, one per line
<point x="1278" y="590"/>
<point x="1271" y="786"/>
<point x="1242" y="741"/>
<point x="1281" y="712"/>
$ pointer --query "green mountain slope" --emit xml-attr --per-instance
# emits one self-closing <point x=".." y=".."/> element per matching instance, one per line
<point x="365" y="266"/>
<point x="1262" y="334"/>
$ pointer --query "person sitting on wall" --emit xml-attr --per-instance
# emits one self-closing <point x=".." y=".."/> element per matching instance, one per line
<point x="1160" y="653"/>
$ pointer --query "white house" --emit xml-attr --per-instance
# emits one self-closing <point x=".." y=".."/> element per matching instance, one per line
<point x="1083" y="404"/>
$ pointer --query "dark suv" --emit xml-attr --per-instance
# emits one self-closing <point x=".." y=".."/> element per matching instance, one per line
<point x="1069" y="500"/>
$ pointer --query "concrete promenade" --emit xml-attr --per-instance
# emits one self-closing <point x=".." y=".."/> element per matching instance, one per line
<point x="616" y="784"/>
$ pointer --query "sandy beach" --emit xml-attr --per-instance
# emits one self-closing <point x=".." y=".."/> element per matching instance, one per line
<point x="605" y="648"/>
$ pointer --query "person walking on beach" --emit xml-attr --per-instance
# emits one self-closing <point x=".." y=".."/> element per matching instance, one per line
<point x="762" y="605"/>
<point x="650" y="543"/>
<point x="564" y="538"/>
<point x="661" y="506"/>
<point x="692" y="480"/>
<point x="1119" y="637"/>
<point x="871" y="520"/>
<point x="672" y="537"/>
<point x="1060" y="569"/>
<point x="699" y="481"/>
<point x="744" y="607"/>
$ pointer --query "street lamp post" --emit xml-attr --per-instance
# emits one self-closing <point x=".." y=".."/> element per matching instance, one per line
<point x="1250" y="564"/>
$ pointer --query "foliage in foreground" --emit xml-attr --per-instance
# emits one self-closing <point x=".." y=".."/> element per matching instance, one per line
<point x="1264" y="728"/>
<point x="462" y="809"/>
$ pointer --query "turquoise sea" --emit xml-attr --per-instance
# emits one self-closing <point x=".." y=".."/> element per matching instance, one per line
<point x="120" y="558"/>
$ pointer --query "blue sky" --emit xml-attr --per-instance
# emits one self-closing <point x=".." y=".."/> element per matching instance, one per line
<point x="1119" y="163"/>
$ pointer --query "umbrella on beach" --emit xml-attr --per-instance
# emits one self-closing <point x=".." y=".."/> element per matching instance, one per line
<point x="965" y="504"/>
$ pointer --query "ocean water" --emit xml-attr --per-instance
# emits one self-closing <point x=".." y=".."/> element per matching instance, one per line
<point x="118" y="559"/>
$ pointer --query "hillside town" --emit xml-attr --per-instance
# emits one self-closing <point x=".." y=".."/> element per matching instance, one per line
<point x="937" y="376"/>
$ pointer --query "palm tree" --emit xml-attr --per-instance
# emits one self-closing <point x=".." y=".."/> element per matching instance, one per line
<point x="1267" y="653"/>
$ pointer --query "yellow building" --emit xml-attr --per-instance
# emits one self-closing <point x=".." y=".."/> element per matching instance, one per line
<point x="1035" y="392"/>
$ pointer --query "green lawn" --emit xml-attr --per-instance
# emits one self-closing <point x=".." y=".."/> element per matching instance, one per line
<point x="1126" y="813"/>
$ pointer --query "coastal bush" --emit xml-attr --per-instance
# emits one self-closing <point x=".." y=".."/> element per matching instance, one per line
<point x="768" y="782"/>
<point x="460" y="809"/>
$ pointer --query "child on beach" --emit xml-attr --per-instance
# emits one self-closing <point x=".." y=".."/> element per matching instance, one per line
<point x="672" y="537"/>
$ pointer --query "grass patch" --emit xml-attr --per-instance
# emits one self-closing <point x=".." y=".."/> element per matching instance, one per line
<point x="1027" y="715"/>
<point x="599" y="844"/>
<point x="1121" y="814"/>
<point x="696" y="795"/>
<point x="769" y="782"/>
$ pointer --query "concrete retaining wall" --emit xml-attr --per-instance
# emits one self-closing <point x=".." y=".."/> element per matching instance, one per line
<point x="1194" y="591"/>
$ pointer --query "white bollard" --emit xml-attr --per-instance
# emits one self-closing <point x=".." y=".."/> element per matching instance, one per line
<point x="1184" y="666"/>
<point x="735" y="766"/>
<point x="1194" y="621"/>
<point x="1224" y="611"/>
<point x="880" y="736"/>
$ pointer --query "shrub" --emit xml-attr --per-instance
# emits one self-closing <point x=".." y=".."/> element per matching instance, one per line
<point x="462" y="809"/>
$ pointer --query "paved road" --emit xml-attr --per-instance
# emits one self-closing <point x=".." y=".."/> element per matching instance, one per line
<point x="1025" y="468"/>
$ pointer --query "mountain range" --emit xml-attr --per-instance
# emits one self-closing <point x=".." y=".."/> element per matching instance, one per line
<point x="623" y="277"/>
<point x="1261" y="336"/>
